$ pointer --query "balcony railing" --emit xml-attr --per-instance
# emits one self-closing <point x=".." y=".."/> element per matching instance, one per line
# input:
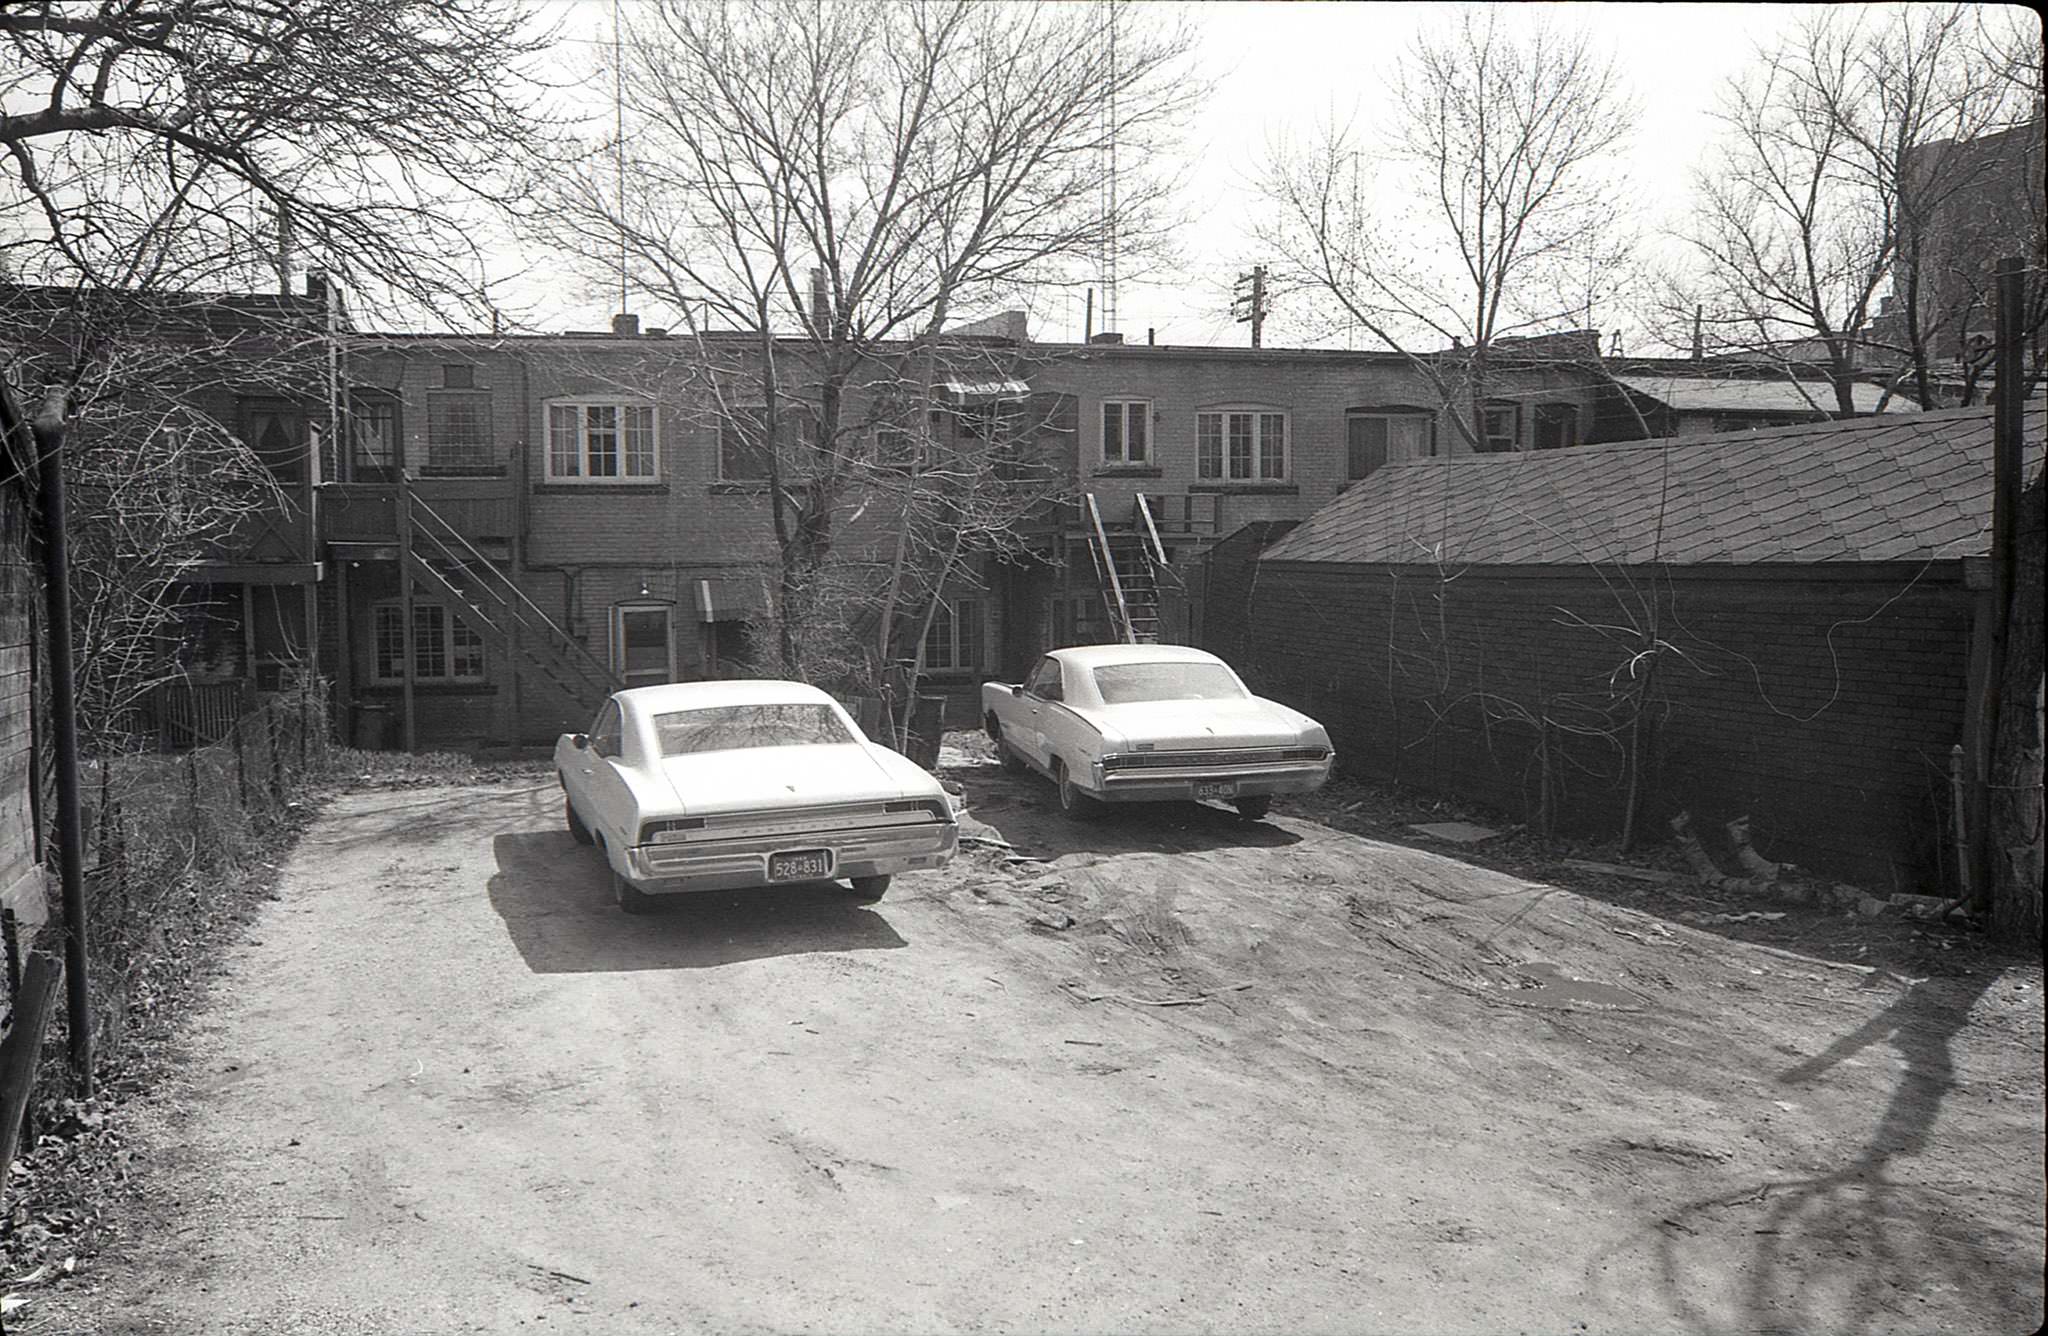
<point x="367" y="512"/>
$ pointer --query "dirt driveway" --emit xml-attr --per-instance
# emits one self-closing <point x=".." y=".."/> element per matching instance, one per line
<point x="1190" y="1074"/>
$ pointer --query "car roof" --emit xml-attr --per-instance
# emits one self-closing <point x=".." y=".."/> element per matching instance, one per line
<point x="1096" y="656"/>
<point x="703" y="695"/>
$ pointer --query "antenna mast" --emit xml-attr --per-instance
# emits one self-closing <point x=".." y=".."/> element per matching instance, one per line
<point x="1111" y="217"/>
<point x="619" y="145"/>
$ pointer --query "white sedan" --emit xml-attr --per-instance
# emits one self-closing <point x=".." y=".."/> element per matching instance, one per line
<point x="726" y="785"/>
<point x="1140" y="723"/>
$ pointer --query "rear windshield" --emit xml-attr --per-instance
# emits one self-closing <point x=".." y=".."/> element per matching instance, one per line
<point x="1127" y="683"/>
<point x="732" y="727"/>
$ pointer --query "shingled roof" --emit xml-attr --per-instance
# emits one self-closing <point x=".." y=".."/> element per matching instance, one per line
<point x="1893" y="488"/>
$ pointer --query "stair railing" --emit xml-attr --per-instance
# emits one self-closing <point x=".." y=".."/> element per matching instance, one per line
<point x="498" y="585"/>
<point x="1105" y="569"/>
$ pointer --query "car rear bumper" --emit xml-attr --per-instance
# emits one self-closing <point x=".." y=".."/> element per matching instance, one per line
<point x="1167" y="785"/>
<point x="740" y="864"/>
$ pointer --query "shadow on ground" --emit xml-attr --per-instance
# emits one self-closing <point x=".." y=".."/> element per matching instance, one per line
<point x="1857" y="1244"/>
<point x="1013" y="804"/>
<point x="555" y="899"/>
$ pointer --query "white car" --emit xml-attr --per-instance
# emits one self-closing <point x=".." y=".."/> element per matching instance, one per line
<point x="727" y="785"/>
<point x="1141" y="723"/>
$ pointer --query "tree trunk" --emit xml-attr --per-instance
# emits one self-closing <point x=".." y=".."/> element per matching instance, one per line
<point x="2014" y="818"/>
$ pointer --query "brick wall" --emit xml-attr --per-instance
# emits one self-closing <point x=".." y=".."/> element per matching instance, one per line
<point x="1821" y="702"/>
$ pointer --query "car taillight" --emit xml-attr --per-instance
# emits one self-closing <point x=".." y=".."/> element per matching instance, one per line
<point x="1304" y="753"/>
<point x="653" y="830"/>
<point x="931" y="807"/>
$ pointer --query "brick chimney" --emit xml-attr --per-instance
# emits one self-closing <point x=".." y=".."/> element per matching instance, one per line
<point x="821" y="304"/>
<point x="626" y="325"/>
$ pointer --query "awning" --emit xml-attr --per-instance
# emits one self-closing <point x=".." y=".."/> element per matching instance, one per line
<point x="721" y="599"/>
<point x="984" y="391"/>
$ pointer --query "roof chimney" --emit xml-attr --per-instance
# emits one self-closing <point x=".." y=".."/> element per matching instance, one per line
<point x="1106" y="338"/>
<point x="1699" y="335"/>
<point x="626" y="325"/>
<point x="821" y="305"/>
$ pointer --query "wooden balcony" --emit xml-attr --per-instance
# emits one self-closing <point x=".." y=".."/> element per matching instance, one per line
<point x="363" y="512"/>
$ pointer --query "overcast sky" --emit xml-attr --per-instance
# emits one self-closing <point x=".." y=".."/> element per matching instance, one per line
<point x="1279" y="66"/>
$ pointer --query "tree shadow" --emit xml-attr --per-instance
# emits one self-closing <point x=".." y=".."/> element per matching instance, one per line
<point x="554" y="896"/>
<point x="1843" y="1249"/>
<point x="1024" y="809"/>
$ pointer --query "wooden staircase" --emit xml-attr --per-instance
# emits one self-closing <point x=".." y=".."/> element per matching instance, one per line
<point x="484" y="598"/>
<point x="1130" y="565"/>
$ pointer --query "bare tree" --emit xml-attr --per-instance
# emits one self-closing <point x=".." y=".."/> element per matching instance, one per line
<point x="184" y="145"/>
<point x="1488" y="207"/>
<point x="857" y="175"/>
<point x="1847" y="157"/>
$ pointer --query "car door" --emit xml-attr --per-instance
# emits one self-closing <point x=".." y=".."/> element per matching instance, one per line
<point x="1042" y="692"/>
<point x="606" y="799"/>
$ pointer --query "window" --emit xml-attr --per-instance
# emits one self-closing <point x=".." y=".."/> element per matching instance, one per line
<point x="738" y="727"/>
<point x="1044" y="681"/>
<point x="1500" y="428"/>
<point x="953" y="644"/>
<point x="606" y="735"/>
<point x="1241" y="446"/>
<point x="902" y="450"/>
<point x="458" y="376"/>
<point x="276" y="431"/>
<point x="459" y="434"/>
<point x="1126" y="427"/>
<point x="1375" y="438"/>
<point x="443" y="649"/>
<point x="600" y="442"/>
<point x="1127" y="683"/>
<point x="743" y="443"/>
<point x="373" y="434"/>
<point x="1557" y="426"/>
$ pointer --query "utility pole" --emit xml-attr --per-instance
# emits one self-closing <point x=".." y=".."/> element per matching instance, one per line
<point x="1250" y="306"/>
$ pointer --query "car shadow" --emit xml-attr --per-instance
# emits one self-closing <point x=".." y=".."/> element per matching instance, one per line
<point x="554" y="896"/>
<point x="1019" y="808"/>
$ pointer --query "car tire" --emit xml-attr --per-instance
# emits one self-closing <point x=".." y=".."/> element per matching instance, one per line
<point x="630" y="898"/>
<point x="867" y="890"/>
<point x="577" y="830"/>
<point x="1074" y="800"/>
<point x="1254" y="808"/>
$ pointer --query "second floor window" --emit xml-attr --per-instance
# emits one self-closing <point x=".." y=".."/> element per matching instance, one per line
<point x="443" y="649"/>
<point x="1557" y="426"/>
<point x="744" y="447"/>
<point x="1241" y="445"/>
<point x="1125" y="432"/>
<point x="601" y="442"/>
<point x="1501" y="428"/>
<point x="373" y="430"/>
<point x="1375" y="439"/>
<point x="459" y="433"/>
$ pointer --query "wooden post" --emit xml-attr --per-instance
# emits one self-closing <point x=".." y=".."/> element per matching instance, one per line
<point x="24" y="1043"/>
<point x="241" y="765"/>
<point x="405" y="606"/>
<point x="344" y="666"/>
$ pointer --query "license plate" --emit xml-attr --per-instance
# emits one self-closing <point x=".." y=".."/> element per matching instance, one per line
<point x="800" y="865"/>
<point x="1215" y="791"/>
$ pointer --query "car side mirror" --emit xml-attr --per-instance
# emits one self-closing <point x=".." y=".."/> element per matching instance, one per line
<point x="1016" y="688"/>
<point x="580" y="741"/>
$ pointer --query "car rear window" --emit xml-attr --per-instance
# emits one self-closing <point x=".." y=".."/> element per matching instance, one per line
<point x="732" y="727"/>
<point x="1128" y="683"/>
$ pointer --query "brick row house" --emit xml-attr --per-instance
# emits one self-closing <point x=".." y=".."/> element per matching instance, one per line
<point x="581" y="511"/>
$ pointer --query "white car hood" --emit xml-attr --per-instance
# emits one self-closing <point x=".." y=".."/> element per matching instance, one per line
<point x="1203" y="724"/>
<point x="752" y="778"/>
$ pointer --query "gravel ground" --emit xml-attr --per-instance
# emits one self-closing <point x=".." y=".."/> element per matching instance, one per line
<point x="1168" y="1071"/>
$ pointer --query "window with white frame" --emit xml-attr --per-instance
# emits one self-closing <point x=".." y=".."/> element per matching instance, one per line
<point x="443" y="649"/>
<point x="1241" y="445"/>
<point x="600" y="441"/>
<point x="953" y="644"/>
<point x="1376" y="437"/>
<point x="1126" y="431"/>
